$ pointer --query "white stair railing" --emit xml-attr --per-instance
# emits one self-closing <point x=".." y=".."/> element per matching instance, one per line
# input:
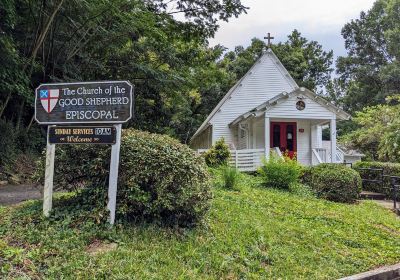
<point x="339" y="155"/>
<point x="277" y="151"/>
<point x="323" y="154"/>
<point x="317" y="156"/>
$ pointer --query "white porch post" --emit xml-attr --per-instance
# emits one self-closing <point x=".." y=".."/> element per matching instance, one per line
<point x="266" y="136"/>
<point x="333" y="140"/>
<point x="254" y="129"/>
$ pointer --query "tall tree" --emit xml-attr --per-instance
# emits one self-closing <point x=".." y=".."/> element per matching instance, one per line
<point x="138" y="40"/>
<point x="371" y="70"/>
<point x="305" y="60"/>
<point x="14" y="84"/>
<point x="377" y="131"/>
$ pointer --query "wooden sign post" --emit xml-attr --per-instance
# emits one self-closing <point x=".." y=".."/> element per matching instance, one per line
<point x="48" y="177"/>
<point x="108" y="102"/>
<point x="113" y="178"/>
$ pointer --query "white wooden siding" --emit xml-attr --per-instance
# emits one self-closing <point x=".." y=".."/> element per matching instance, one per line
<point x="243" y="138"/>
<point x="259" y="133"/>
<point x="304" y="142"/>
<point x="316" y="141"/>
<point x="204" y="140"/>
<point x="265" y="81"/>
<point x="287" y="109"/>
<point x="316" y="136"/>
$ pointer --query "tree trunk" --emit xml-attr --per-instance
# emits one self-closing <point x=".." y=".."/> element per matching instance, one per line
<point x="5" y="104"/>
<point x="30" y="123"/>
<point x="43" y="35"/>
<point x="20" y="114"/>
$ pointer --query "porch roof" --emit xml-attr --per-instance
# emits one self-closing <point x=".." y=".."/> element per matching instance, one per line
<point x="262" y="108"/>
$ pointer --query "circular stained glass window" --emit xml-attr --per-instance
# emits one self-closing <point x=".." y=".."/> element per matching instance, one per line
<point x="300" y="105"/>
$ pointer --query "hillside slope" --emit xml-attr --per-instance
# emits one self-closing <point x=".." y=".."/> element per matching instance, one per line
<point x="251" y="234"/>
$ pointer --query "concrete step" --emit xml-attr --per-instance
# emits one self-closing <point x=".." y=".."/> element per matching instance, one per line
<point x="372" y="195"/>
<point x="391" y="272"/>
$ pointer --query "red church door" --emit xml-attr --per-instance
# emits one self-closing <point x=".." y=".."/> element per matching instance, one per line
<point x="283" y="135"/>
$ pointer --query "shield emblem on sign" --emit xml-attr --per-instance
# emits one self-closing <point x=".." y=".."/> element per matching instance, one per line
<point x="49" y="98"/>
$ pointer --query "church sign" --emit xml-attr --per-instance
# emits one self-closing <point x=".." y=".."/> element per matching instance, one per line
<point x="85" y="102"/>
<point x="100" y="108"/>
<point x="82" y="135"/>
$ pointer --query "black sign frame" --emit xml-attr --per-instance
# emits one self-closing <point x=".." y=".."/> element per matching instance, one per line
<point x="127" y="117"/>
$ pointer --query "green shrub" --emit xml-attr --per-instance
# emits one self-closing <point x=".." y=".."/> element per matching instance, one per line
<point x="19" y="149"/>
<point x="32" y="141"/>
<point x="76" y="166"/>
<point x="333" y="182"/>
<point x="218" y="155"/>
<point x="8" y="148"/>
<point x="230" y="178"/>
<point x="280" y="172"/>
<point x="388" y="169"/>
<point x="159" y="178"/>
<point x="14" y="141"/>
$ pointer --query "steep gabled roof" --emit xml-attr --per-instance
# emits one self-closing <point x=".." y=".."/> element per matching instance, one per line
<point x="279" y="65"/>
<point x="259" y="110"/>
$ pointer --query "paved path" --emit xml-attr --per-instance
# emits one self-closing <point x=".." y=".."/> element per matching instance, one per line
<point x="386" y="203"/>
<point x="13" y="194"/>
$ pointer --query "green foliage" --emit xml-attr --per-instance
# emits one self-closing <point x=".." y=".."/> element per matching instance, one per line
<point x="159" y="178"/>
<point x="178" y="77"/>
<point x="305" y="60"/>
<point x="218" y="155"/>
<point x="389" y="168"/>
<point x="7" y="142"/>
<point x="9" y="257"/>
<point x="137" y="40"/>
<point x="280" y="172"/>
<point x="334" y="182"/>
<point x="15" y="141"/>
<point x="76" y="166"/>
<point x="302" y="190"/>
<point x="257" y="233"/>
<point x="369" y="73"/>
<point x="377" y="133"/>
<point x="230" y="177"/>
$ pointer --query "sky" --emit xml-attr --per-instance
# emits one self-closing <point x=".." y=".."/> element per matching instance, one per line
<point x="319" y="20"/>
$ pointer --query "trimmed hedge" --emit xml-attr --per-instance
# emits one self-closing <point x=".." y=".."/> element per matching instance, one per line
<point x="334" y="182"/>
<point x="389" y="168"/>
<point x="159" y="178"/>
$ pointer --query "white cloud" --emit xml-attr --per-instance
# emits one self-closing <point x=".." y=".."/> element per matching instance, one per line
<point x="314" y="18"/>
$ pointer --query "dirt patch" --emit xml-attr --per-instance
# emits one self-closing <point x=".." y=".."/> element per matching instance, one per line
<point x="100" y="247"/>
<point x="13" y="194"/>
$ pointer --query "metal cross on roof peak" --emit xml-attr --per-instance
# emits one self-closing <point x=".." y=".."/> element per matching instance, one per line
<point x="269" y="38"/>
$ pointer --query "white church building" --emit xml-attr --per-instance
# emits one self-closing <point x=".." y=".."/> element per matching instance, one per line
<point x="267" y="111"/>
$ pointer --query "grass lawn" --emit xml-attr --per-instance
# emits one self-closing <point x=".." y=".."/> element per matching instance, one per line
<point x="254" y="233"/>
